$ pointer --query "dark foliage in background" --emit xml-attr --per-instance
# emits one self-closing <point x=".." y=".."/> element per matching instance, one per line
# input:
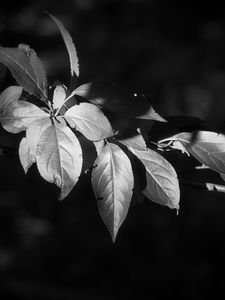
<point x="173" y="52"/>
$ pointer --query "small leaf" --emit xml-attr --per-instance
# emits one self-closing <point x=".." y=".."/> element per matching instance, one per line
<point x="134" y="142"/>
<point x="59" y="96"/>
<point x="26" y="68"/>
<point x="74" y="64"/>
<point x="162" y="183"/>
<point x="113" y="182"/>
<point x="59" y="157"/>
<point x="11" y="94"/>
<point x="206" y="146"/>
<point x="18" y="115"/>
<point x="89" y="120"/>
<point x="118" y="100"/>
<point x="24" y="155"/>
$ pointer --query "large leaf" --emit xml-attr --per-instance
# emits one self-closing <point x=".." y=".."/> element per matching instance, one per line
<point x="118" y="100"/>
<point x="26" y="68"/>
<point x="206" y="146"/>
<point x="162" y="183"/>
<point x="113" y="182"/>
<point x="89" y="120"/>
<point x="9" y="95"/>
<point x="59" y="157"/>
<point x="18" y="115"/>
<point x="74" y="63"/>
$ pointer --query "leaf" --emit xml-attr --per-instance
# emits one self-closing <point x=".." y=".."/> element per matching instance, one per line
<point x="134" y="142"/>
<point x="74" y="63"/>
<point x="113" y="182"/>
<point x="162" y="183"/>
<point x="89" y="120"/>
<point x="18" y="115"/>
<point x="3" y="71"/>
<point x="99" y="145"/>
<point x="34" y="132"/>
<point x="26" y="68"/>
<point x="59" y="96"/>
<point x="59" y="157"/>
<point x="9" y="95"/>
<point x="24" y="155"/>
<point x="207" y="147"/>
<point x="118" y="100"/>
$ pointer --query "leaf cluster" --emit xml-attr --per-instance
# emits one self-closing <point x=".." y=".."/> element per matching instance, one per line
<point x="117" y="122"/>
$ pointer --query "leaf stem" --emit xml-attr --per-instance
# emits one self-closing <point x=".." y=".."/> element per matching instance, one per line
<point x="210" y="187"/>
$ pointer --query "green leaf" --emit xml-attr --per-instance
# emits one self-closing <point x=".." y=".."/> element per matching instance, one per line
<point x="206" y="146"/>
<point x="113" y="182"/>
<point x="118" y="100"/>
<point x="24" y="155"/>
<point x="59" y="157"/>
<point x="74" y="63"/>
<point x="9" y="95"/>
<point x="89" y="120"/>
<point x="162" y="183"/>
<point x="18" y="115"/>
<point x="26" y="68"/>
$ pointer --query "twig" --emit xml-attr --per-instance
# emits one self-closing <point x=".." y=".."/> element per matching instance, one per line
<point x="210" y="187"/>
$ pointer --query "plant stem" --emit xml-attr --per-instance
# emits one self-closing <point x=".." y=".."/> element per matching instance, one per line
<point x="210" y="187"/>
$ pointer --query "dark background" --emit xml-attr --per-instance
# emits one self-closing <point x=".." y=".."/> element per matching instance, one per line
<point x="175" y="52"/>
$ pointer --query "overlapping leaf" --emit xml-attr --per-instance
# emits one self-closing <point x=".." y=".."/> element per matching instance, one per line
<point x="26" y="68"/>
<point x="89" y="120"/>
<point x="117" y="100"/>
<point x="135" y="142"/>
<point x="112" y="181"/>
<point x="59" y="157"/>
<point x="18" y="115"/>
<point x="9" y="95"/>
<point x="206" y="146"/>
<point x="24" y="155"/>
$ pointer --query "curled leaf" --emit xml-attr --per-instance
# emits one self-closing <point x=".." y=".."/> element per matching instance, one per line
<point x="206" y="146"/>
<point x="24" y="155"/>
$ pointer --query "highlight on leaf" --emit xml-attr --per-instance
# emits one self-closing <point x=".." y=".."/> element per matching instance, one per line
<point x="113" y="182"/>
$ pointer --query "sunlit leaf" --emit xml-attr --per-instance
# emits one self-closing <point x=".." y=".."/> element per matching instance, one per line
<point x="26" y="68"/>
<point x="113" y="183"/>
<point x="18" y="115"/>
<point x="89" y="120"/>
<point x="59" y="157"/>
<point x="24" y="155"/>
<point x="162" y="183"/>
<point x="206" y="146"/>
<point x="59" y="96"/>
<point x="74" y="63"/>
<point x="118" y="100"/>
<point x="11" y="94"/>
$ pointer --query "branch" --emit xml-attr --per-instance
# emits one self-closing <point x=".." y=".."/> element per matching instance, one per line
<point x="210" y="187"/>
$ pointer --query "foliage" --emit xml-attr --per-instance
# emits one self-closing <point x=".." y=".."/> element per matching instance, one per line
<point x="118" y="123"/>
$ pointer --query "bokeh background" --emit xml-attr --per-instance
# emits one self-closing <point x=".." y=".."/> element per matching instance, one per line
<point x="173" y="51"/>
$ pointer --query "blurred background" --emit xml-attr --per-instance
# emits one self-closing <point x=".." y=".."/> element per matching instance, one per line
<point x="174" y="52"/>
